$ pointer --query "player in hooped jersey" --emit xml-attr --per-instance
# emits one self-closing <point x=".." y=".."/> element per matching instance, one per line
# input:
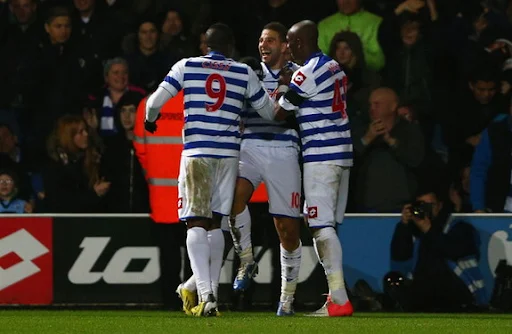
<point x="317" y="96"/>
<point x="269" y="154"/>
<point x="215" y="90"/>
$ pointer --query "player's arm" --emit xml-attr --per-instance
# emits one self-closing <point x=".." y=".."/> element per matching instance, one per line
<point x="288" y="103"/>
<point x="169" y="87"/>
<point x="138" y="131"/>
<point x="292" y="99"/>
<point x="258" y="97"/>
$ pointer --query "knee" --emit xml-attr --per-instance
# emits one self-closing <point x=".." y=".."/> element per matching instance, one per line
<point x="289" y="232"/>
<point x="322" y="233"/>
<point x="198" y="222"/>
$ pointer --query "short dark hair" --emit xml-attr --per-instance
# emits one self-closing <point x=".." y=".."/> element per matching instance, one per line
<point x="219" y="35"/>
<point x="129" y="98"/>
<point x="255" y="64"/>
<point x="486" y="73"/>
<point x="55" y="12"/>
<point x="279" y="28"/>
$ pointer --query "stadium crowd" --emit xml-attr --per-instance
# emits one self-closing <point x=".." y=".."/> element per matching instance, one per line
<point x="72" y="73"/>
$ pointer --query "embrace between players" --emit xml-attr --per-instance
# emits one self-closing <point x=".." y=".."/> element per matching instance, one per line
<point x="220" y="167"/>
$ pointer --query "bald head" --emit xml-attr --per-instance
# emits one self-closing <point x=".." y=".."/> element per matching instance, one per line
<point x="306" y="30"/>
<point x="383" y="103"/>
<point x="303" y="40"/>
<point x="219" y="37"/>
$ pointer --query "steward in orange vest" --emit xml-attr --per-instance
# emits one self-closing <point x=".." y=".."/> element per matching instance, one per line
<point x="159" y="155"/>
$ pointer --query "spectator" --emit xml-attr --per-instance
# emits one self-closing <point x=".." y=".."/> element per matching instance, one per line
<point x="129" y="190"/>
<point x="470" y="112"/>
<point x="471" y="31"/>
<point x="27" y="28"/>
<point x="409" y="70"/>
<point x="490" y="180"/>
<point x="387" y="151"/>
<point x="346" y="49"/>
<point x="60" y="76"/>
<point x="17" y="84"/>
<point x="116" y="84"/>
<point x="460" y="191"/>
<point x="203" y="47"/>
<point x="90" y="112"/>
<point x="96" y="30"/>
<point x="446" y="275"/>
<point x="12" y="158"/>
<point x="97" y="36"/>
<point x="174" y="38"/>
<point x="148" y="65"/>
<point x="71" y="179"/>
<point x="353" y="17"/>
<point x="9" y="200"/>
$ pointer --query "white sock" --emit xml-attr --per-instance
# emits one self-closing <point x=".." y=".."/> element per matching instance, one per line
<point x="190" y="284"/>
<point x="216" y="240"/>
<point x="328" y="249"/>
<point x="243" y="227"/>
<point x="290" y="267"/>
<point x="199" y="253"/>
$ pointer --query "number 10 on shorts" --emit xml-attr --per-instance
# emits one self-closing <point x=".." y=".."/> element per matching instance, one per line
<point x="295" y="200"/>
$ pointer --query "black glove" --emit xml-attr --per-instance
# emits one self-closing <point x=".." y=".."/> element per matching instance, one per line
<point x="151" y="126"/>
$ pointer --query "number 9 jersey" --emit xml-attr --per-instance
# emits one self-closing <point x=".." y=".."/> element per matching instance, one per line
<point x="215" y="90"/>
<point x="318" y="95"/>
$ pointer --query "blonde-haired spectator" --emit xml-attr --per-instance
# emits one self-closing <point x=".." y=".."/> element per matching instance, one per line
<point x="71" y="180"/>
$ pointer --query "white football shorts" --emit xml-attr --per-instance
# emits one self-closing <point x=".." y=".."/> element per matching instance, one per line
<point x="278" y="168"/>
<point x="326" y="191"/>
<point x="205" y="186"/>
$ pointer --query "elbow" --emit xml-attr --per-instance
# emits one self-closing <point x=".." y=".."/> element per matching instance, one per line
<point x="150" y="103"/>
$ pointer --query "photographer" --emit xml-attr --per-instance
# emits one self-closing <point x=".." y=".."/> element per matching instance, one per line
<point x="446" y="275"/>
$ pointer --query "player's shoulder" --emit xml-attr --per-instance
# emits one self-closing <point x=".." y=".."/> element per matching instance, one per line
<point x="320" y="64"/>
<point x="238" y="64"/>
<point x="181" y="63"/>
<point x="293" y="66"/>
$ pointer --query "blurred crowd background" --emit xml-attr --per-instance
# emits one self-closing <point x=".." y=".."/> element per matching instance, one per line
<point x="72" y="73"/>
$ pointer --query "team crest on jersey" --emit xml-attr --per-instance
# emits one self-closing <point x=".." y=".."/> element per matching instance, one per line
<point x="272" y="93"/>
<point x="312" y="212"/>
<point x="299" y="78"/>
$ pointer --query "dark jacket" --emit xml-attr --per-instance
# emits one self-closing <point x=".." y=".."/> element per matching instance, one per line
<point x="128" y="192"/>
<point x="385" y="176"/>
<point x="435" y="285"/>
<point x="148" y="71"/>
<point x="435" y="247"/>
<point x="67" y="188"/>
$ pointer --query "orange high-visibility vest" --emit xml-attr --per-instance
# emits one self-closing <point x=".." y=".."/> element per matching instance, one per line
<point x="160" y="154"/>
<point x="260" y="195"/>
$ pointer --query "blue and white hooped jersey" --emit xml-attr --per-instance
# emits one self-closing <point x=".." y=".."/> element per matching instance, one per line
<point x="262" y="132"/>
<point x="215" y="90"/>
<point x="321" y="86"/>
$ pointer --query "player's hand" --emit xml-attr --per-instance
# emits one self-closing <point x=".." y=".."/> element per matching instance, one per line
<point x="285" y="76"/>
<point x="151" y="126"/>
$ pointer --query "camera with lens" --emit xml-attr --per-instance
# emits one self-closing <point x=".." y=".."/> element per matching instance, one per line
<point x="421" y="210"/>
